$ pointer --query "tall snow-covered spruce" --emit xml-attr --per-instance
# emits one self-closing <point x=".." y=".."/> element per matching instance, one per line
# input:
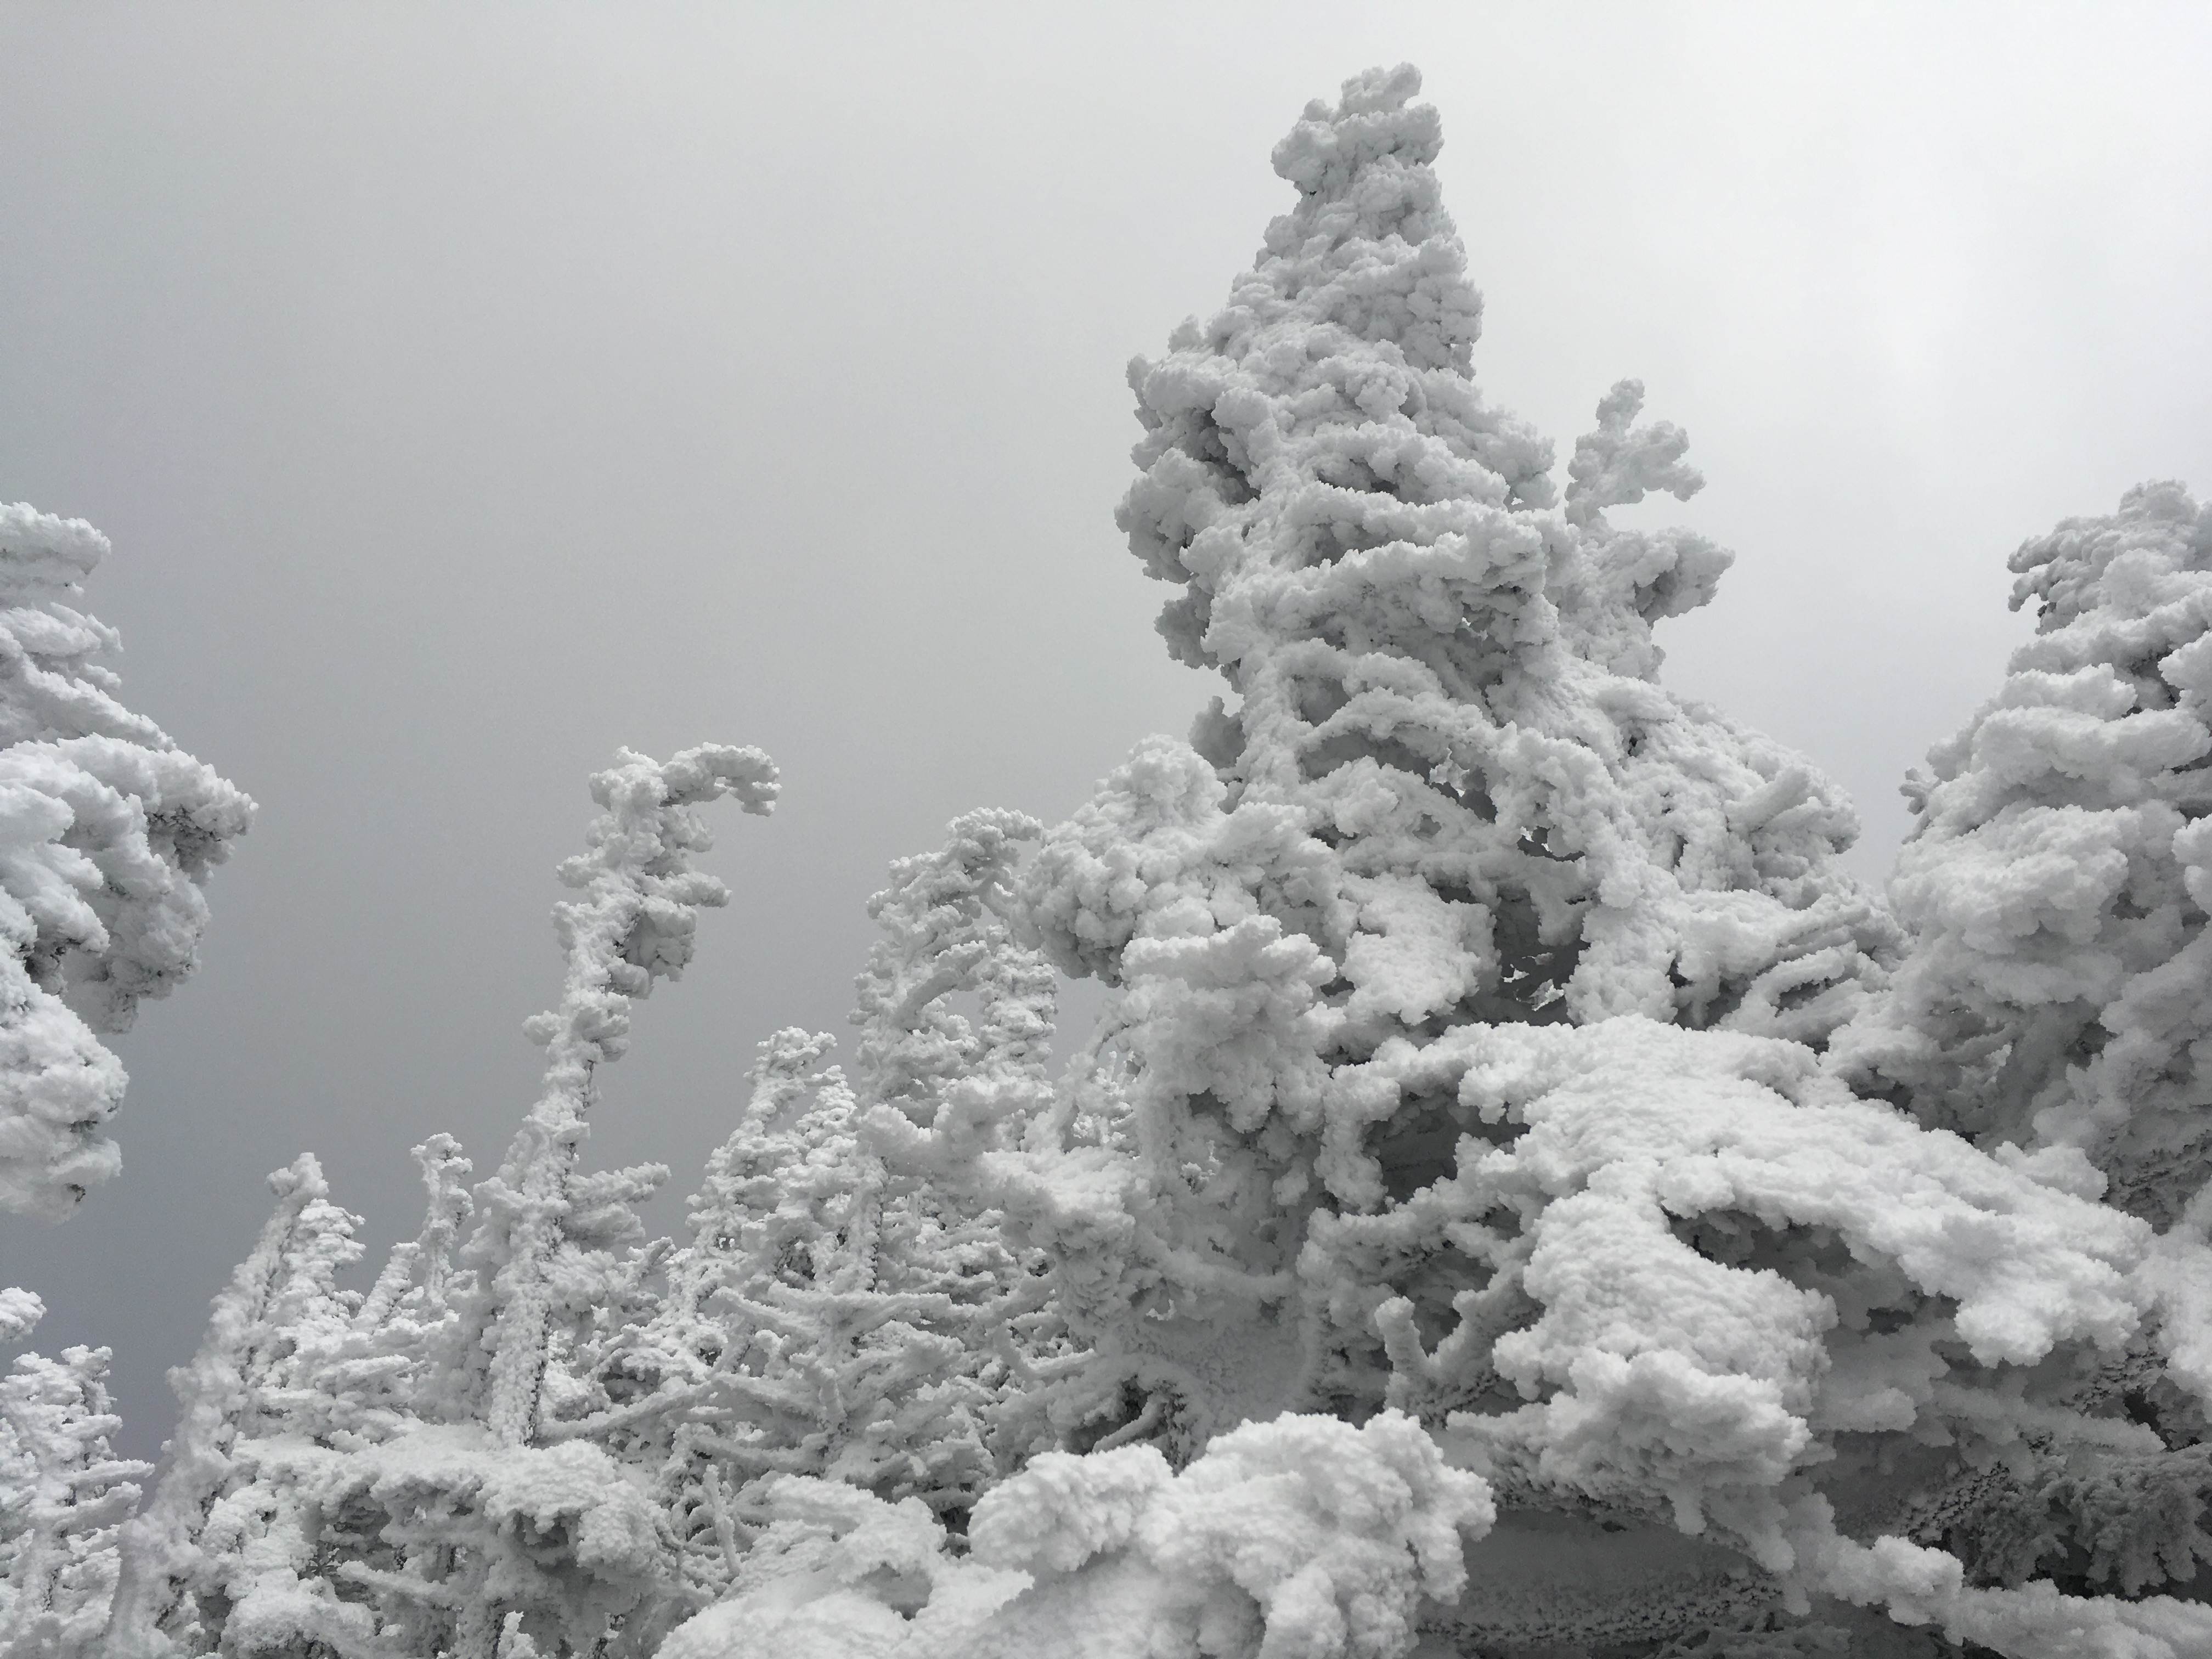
<point x="1523" y="1198"/>
<point x="1474" y="1047"/>
<point x="1448" y="798"/>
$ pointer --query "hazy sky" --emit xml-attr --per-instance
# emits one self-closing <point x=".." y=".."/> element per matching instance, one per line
<point x="470" y="390"/>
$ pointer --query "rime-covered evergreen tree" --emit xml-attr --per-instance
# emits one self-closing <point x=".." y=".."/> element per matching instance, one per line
<point x="108" y="831"/>
<point x="1471" y="1048"/>
<point x="420" y="1470"/>
<point x="2054" y="1008"/>
<point x="2056" y="880"/>
<point x="796" y="1336"/>
<point x="223" y="1552"/>
<point x="62" y="1494"/>
<point x="546" y="1254"/>
<point x="1448" y="796"/>
<point x="832" y="1314"/>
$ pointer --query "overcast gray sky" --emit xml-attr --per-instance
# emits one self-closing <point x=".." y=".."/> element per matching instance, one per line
<point x="470" y="390"/>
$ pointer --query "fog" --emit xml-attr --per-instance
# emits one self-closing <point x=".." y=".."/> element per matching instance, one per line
<point x="470" y="391"/>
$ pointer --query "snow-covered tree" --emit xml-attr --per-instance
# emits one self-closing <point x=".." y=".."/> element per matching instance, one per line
<point x="217" y="1554"/>
<point x="415" y="1471"/>
<point x="834" y="1314"/>
<point x="1450" y="795"/>
<point x="62" y="1495"/>
<point x="2053" y="1008"/>
<point x="2057" y="880"/>
<point x="796" y="1335"/>
<point x="545" y="1254"/>
<point x="108" y="831"/>
<point x="1470" y="1052"/>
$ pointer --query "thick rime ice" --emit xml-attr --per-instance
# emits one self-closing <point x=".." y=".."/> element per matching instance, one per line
<point x="108" y="831"/>
<point x="1523" y="1200"/>
<point x="1300" y="1537"/>
<point x="1449" y="797"/>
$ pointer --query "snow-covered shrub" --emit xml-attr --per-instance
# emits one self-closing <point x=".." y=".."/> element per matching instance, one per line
<point x="1300" y="1539"/>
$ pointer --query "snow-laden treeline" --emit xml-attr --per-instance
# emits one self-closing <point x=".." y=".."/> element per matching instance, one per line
<point x="1523" y="1196"/>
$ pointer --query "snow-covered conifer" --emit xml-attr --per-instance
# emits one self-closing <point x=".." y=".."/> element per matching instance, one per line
<point x="1450" y="795"/>
<point x="1471" y="995"/>
<point x="949" y="939"/>
<point x="2052" y="1009"/>
<point x="409" y="1294"/>
<point x="191" y="1557"/>
<point x="107" y="831"/>
<point x="542" y="1253"/>
<point x="2058" y="878"/>
<point x="836" y="1314"/>
<point x="794" y="1321"/>
<point x="957" y="936"/>
<point x="63" y="1496"/>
